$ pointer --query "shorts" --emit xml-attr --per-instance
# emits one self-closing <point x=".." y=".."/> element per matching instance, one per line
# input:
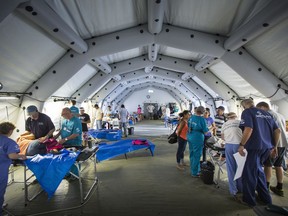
<point x="276" y="162"/>
<point x="85" y="135"/>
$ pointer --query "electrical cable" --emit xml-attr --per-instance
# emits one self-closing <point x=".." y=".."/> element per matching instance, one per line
<point x="279" y="87"/>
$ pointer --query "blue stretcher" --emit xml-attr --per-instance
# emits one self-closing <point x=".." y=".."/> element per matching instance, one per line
<point x="109" y="134"/>
<point x="108" y="151"/>
<point x="50" y="169"/>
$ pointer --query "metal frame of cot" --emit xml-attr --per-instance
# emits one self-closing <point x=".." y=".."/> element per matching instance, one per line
<point x="211" y="147"/>
<point x="85" y="155"/>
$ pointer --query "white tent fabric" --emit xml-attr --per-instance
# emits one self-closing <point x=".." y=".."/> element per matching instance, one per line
<point x="218" y="49"/>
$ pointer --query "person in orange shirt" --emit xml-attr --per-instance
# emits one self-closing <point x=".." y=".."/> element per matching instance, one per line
<point x="182" y="139"/>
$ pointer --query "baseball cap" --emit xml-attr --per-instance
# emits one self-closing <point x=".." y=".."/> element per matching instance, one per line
<point x="221" y="108"/>
<point x="31" y="109"/>
<point x="81" y="108"/>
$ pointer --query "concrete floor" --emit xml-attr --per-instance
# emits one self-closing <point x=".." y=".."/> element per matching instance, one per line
<point x="140" y="185"/>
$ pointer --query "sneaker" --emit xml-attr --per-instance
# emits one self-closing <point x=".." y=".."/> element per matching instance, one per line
<point x="180" y="167"/>
<point x="195" y="176"/>
<point x="4" y="205"/>
<point x="277" y="191"/>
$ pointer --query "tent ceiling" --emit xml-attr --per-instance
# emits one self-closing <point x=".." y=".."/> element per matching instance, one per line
<point x="29" y="53"/>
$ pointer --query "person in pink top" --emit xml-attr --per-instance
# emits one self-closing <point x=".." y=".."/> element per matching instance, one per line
<point x="182" y="139"/>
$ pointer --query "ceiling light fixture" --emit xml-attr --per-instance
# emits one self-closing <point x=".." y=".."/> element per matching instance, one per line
<point x="12" y="95"/>
<point x="9" y="98"/>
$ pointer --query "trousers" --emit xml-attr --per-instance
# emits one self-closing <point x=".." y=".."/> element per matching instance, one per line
<point x="234" y="186"/>
<point x="253" y="177"/>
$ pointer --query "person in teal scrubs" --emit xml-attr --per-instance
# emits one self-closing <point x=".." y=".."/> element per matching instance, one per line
<point x="71" y="130"/>
<point x="197" y="127"/>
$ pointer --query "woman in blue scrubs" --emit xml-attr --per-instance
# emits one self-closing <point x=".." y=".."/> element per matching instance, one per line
<point x="8" y="150"/>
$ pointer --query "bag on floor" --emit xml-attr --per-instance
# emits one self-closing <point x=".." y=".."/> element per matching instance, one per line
<point x="207" y="172"/>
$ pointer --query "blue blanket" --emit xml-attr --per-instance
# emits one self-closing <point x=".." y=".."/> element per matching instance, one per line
<point x="109" y="134"/>
<point x="107" y="151"/>
<point x="50" y="169"/>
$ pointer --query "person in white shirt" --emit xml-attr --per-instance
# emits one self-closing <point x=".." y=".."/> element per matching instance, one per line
<point x="166" y="116"/>
<point x="107" y="118"/>
<point x="231" y="133"/>
<point x="98" y="117"/>
<point x="123" y="119"/>
<point x="150" y="109"/>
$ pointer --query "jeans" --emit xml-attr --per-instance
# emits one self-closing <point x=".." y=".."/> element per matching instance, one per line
<point x="98" y="124"/>
<point x="181" y="149"/>
<point x="166" y="121"/>
<point x="124" y="125"/>
<point x="234" y="186"/>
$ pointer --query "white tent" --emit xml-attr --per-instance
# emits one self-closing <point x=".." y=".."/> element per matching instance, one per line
<point x="195" y="51"/>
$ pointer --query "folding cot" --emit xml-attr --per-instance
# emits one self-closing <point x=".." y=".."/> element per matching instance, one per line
<point x="81" y="162"/>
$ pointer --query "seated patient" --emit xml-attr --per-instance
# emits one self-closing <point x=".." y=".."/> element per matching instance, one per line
<point x="71" y="130"/>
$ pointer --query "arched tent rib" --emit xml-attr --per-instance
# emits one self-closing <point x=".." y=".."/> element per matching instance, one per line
<point x="115" y="88"/>
<point x="206" y="76"/>
<point x="143" y="85"/>
<point x="251" y="70"/>
<point x="46" y="18"/>
<point x="266" y="19"/>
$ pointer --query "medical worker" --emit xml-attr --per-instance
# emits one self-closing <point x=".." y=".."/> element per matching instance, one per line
<point x="197" y="127"/>
<point x="260" y="137"/>
<point x="8" y="150"/>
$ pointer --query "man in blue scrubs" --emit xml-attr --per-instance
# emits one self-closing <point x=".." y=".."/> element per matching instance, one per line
<point x="260" y="137"/>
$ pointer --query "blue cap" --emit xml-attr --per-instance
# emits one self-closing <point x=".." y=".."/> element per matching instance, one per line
<point x="31" y="109"/>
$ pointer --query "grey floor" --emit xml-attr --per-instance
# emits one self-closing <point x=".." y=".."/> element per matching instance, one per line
<point x="138" y="185"/>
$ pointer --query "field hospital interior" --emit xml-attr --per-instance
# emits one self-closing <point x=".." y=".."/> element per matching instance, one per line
<point x="185" y="53"/>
